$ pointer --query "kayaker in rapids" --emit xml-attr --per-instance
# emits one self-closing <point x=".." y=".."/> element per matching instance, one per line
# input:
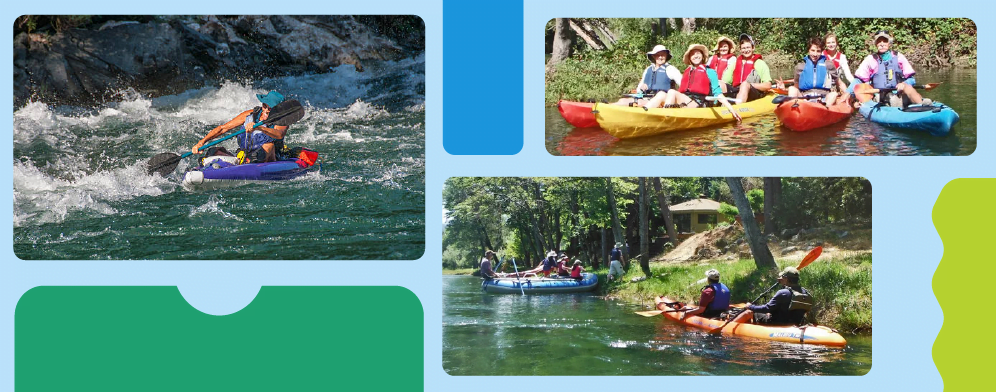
<point x="657" y="78"/>
<point x="261" y="144"/>
<point x="839" y="59"/>
<point x="788" y="306"/>
<point x="722" y="54"/>
<point x="747" y="73"/>
<point x="698" y="82"/>
<point x="891" y="72"/>
<point x="715" y="298"/>
<point x="815" y="75"/>
<point x="615" y="265"/>
<point x="487" y="271"/>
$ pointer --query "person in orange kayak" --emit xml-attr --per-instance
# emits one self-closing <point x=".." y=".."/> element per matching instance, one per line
<point x="722" y="54"/>
<point x="890" y="72"/>
<point x="747" y="73"/>
<point x="715" y="298"/>
<point x="656" y="79"/>
<point x="788" y="306"/>
<point x="832" y="51"/>
<point x="817" y="76"/>
<point x="697" y="83"/>
<point x="260" y="144"/>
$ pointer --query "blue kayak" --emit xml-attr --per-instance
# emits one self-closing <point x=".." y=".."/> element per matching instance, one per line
<point x="541" y="285"/>
<point x="223" y="171"/>
<point x="936" y="118"/>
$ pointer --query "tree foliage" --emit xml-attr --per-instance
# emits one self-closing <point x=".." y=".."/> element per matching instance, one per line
<point x="527" y="217"/>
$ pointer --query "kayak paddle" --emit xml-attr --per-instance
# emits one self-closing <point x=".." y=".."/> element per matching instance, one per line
<point x="864" y="91"/>
<point x="809" y="259"/>
<point x="652" y="313"/>
<point x="284" y="114"/>
<point x="783" y="98"/>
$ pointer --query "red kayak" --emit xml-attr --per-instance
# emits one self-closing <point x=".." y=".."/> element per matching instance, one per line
<point x="801" y="115"/>
<point x="577" y="114"/>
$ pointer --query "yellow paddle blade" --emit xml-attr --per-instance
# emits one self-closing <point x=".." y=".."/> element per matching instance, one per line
<point x="864" y="92"/>
<point x="649" y="313"/>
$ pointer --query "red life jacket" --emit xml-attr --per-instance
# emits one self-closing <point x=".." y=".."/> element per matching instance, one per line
<point x="695" y="81"/>
<point x="835" y="58"/>
<point x="576" y="271"/>
<point x="743" y="68"/>
<point x="719" y="63"/>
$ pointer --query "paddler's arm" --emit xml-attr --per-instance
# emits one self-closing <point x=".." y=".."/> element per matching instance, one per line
<point x="221" y="129"/>
<point x="717" y="91"/>
<point x="277" y="132"/>
<point x="762" y="70"/>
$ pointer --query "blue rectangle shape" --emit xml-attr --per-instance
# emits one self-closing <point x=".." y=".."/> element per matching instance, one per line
<point x="482" y="78"/>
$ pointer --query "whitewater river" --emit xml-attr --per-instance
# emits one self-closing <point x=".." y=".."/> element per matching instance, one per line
<point x="81" y="191"/>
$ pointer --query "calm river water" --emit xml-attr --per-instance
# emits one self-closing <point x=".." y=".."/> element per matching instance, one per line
<point x="583" y="334"/>
<point x="763" y="135"/>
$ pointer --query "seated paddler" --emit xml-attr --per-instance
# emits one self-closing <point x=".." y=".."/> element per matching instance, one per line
<point x="715" y="298"/>
<point x="259" y="144"/>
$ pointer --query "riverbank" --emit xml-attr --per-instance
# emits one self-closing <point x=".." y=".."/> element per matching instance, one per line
<point x="94" y="59"/>
<point x="605" y="74"/>
<point x="459" y="271"/>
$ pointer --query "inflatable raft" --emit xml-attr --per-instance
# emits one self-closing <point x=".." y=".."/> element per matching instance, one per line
<point x="812" y="334"/>
<point x="541" y="285"/>
<point x="221" y="171"/>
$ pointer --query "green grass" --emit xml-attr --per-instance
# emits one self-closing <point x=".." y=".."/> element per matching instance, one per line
<point x="459" y="271"/>
<point x="841" y="287"/>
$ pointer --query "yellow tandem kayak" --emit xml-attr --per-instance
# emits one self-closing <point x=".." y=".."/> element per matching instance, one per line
<point x="630" y="122"/>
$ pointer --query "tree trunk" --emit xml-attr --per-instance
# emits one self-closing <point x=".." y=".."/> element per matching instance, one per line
<point x="673" y="24"/>
<point x="562" y="41"/>
<point x="772" y="195"/>
<point x="762" y="255"/>
<point x="605" y="30"/>
<point x="617" y="231"/>
<point x="605" y="246"/>
<point x="575" y="223"/>
<point x="662" y="24"/>
<point x="644" y="228"/>
<point x="589" y="38"/>
<point x="687" y="25"/>
<point x="672" y="235"/>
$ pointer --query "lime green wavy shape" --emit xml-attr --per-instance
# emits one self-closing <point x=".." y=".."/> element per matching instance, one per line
<point x="964" y="215"/>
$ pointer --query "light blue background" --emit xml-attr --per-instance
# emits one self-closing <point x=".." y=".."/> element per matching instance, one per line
<point x="907" y="248"/>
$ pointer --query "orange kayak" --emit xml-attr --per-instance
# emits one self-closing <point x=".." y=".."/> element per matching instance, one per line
<point x="802" y="115"/>
<point x="577" y="114"/>
<point x="812" y="334"/>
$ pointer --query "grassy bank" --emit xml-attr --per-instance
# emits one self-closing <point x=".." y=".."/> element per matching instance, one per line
<point x="842" y="287"/>
<point x="459" y="271"/>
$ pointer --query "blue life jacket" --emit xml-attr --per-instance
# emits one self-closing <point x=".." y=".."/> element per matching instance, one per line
<point x="887" y="75"/>
<point x="722" y="299"/>
<point x="657" y="79"/>
<point x="616" y="254"/>
<point x="814" y="75"/>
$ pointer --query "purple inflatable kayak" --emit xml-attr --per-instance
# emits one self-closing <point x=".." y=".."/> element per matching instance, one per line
<point x="221" y="171"/>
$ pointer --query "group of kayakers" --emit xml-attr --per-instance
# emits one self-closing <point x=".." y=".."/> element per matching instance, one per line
<point x="789" y="305"/>
<point x="823" y="74"/>
<point x="554" y="265"/>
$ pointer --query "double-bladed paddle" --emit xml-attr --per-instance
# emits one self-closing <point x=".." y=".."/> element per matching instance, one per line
<point x="284" y="114"/>
<point x="809" y="259"/>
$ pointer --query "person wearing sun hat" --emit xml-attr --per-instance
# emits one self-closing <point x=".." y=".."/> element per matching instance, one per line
<point x="615" y="263"/>
<point x="889" y="71"/>
<point x="576" y="270"/>
<point x="260" y="143"/>
<point x="788" y="306"/>
<point x="714" y="300"/>
<point x="697" y="83"/>
<point x="722" y="54"/>
<point x="657" y="77"/>
<point x="747" y="73"/>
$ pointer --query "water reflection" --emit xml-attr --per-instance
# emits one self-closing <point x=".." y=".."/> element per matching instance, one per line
<point x="764" y="135"/>
<point x="584" y="334"/>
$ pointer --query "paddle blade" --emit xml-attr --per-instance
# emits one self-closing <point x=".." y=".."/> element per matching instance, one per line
<point x="163" y="164"/>
<point x="649" y="313"/>
<point x="811" y="257"/>
<point x="864" y="92"/>
<point x="286" y="113"/>
<point x="779" y="91"/>
<point x="781" y="98"/>
<point x="931" y="86"/>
